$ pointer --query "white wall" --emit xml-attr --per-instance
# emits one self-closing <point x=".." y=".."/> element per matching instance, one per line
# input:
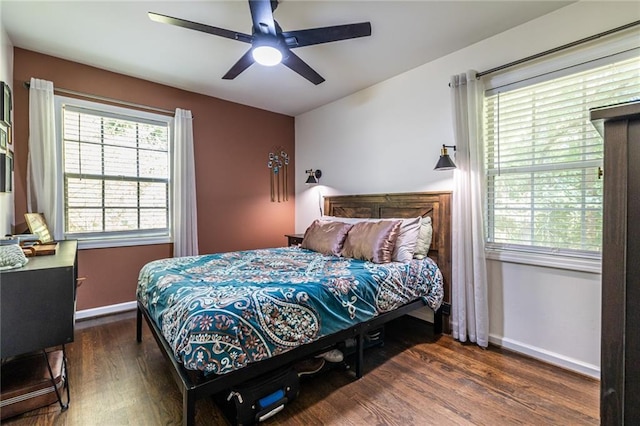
<point x="6" y="75"/>
<point x="386" y="138"/>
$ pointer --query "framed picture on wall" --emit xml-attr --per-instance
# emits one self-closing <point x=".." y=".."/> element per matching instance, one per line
<point x="3" y="172"/>
<point x="5" y="105"/>
<point x="8" y="184"/>
<point x="4" y="137"/>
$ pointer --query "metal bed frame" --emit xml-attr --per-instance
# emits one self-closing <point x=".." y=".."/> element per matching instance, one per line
<point x="194" y="385"/>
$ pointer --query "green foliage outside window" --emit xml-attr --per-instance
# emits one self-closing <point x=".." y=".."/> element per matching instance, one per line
<point x="543" y="155"/>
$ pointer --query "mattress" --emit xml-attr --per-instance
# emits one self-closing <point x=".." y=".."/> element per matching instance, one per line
<point x="222" y="311"/>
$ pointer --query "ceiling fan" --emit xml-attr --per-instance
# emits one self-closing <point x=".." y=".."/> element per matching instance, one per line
<point x="269" y="44"/>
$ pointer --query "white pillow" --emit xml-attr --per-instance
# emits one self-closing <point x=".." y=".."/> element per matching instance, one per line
<point x="424" y="239"/>
<point x="407" y="236"/>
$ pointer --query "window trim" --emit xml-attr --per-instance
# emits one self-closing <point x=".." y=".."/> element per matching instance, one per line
<point x="140" y="240"/>
<point x="591" y="263"/>
<point x="133" y="238"/>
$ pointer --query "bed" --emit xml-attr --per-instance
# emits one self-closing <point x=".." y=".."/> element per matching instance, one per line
<point x="225" y="318"/>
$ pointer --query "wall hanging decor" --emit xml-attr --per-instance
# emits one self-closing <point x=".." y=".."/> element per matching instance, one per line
<point x="5" y="106"/>
<point x="3" y="172"/>
<point x="278" y="165"/>
<point x="8" y="176"/>
<point x="4" y="137"/>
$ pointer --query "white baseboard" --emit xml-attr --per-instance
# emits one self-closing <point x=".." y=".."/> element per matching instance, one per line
<point x="547" y="356"/>
<point x="106" y="310"/>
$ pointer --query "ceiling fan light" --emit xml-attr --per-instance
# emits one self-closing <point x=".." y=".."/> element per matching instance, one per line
<point x="267" y="55"/>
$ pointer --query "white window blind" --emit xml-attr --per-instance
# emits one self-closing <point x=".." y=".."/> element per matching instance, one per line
<point x="542" y="158"/>
<point x="116" y="174"/>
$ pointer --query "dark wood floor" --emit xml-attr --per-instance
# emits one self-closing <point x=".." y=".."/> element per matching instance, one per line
<point x="409" y="381"/>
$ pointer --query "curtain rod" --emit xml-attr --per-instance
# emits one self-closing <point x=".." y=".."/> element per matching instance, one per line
<point x="105" y="99"/>
<point x="557" y="49"/>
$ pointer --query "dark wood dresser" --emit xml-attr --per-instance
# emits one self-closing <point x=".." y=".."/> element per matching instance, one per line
<point x="620" y="347"/>
<point x="38" y="302"/>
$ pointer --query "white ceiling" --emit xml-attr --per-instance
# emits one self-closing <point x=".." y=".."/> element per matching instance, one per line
<point x="118" y="36"/>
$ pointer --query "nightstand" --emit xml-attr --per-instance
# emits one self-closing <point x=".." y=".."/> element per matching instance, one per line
<point x="294" y="239"/>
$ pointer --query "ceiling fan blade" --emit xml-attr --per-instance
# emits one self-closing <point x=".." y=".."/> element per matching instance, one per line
<point x="292" y="61"/>
<point x="243" y="63"/>
<point x="233" y="35"/>
<point x="262" y="16"/>
<point x="313" y="36"/>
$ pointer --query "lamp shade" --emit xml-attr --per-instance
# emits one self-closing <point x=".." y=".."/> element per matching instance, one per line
<point x="445" y="162"/>
<point x="311" y="180"/>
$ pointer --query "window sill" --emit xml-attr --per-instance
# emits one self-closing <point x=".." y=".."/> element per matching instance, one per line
<point x="556" y="261"/>
<point x="84" y="244"/>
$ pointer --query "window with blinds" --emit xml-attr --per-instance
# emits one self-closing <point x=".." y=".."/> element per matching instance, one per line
<point x="116" y="174"/>
<point x="544" y="191"/>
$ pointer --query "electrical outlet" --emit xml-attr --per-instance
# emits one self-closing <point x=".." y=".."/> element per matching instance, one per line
<point x="446" y="308"/>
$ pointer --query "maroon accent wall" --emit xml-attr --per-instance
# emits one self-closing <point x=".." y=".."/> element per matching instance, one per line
<point x="232" y="142"/>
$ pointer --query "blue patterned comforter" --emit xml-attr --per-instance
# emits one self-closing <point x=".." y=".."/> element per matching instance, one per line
<point x="222" y="311"/>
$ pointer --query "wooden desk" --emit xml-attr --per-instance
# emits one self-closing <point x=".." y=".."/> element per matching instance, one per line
<point x="38" y="302"/>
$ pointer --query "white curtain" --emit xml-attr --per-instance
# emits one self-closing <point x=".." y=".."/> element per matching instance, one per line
<point x="185" y="220"/>
<point x="44" y="163"/>
<point x="470" y="310"/>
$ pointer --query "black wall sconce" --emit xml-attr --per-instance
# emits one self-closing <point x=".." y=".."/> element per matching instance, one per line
<point x="445" y="162"/>
<point x="314" y="176"/>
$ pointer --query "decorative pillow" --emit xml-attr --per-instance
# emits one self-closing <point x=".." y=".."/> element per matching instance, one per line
<point x="325" y="237"/>
<point x="407" y="239"/>
<point x="12" y="256"/>
<point x="424" y="239"/>
<point x="407" y="236"/>
<point x="372" y="241"/>
<point x="351" y="220"/>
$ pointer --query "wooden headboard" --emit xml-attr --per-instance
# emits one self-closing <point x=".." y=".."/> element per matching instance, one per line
<point x="436" y="205"/>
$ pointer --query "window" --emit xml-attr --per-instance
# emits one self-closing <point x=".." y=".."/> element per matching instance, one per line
<point x="116" y="168"/>
<point x="543" y="155"/>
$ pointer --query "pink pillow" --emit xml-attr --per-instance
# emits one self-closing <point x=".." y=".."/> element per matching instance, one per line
<point x="325" y="237"/>
<point x="407" y="236"/>
<point x="372" y="241"/>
